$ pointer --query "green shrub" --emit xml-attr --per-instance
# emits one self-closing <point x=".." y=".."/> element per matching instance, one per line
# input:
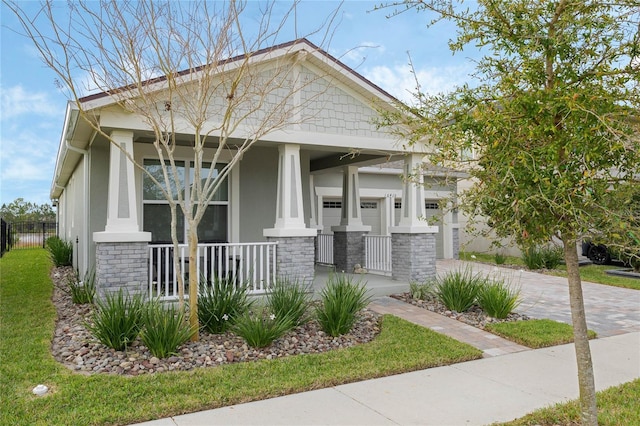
<point x="117" y="319"/>
<point x="500" y="258"/>
<point x="421" y="291"/>
<point x="548" y="257"/>
<point x="219" y="304"/>
<point x="457" y="290"/>
<point x="83" y="291"/>
<point x="498" y="299"/>
<point x="61" y="251"/>
<point x="288" y="299"/>
<point x="261" y="329"/>
<point x="164" y="329"/>
<point x="341" y="300"/>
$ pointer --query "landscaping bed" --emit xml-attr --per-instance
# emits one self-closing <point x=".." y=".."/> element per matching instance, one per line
<point x="475" y="316"/>
<point x="76" y="348"/>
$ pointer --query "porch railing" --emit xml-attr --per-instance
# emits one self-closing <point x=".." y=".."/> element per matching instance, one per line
<point x="377" y="253"/>
<point x="250" y="263"/>
<point x="324" y="251"/>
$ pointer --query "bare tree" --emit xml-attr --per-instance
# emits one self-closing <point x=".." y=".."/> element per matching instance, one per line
<point x="189" y="68"/>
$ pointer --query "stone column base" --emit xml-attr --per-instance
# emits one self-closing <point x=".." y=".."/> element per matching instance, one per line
<point x="413" y="256"/>
<point x="295" y="258"/>
<point x="122" y="265"/>
<point x="348" y="250"/>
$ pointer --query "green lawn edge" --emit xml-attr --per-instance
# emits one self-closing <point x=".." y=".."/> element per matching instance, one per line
<point x="536" y="333"/>
<point x="591" y="273"/>
<point x="617" y="405"/>
<point x="27" y="321"/>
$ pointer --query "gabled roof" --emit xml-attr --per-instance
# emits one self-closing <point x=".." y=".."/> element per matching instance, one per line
<point x="317" y="55"/>
<point x="76" y="134"/>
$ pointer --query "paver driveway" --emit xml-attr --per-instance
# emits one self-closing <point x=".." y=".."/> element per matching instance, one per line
<point x="610" y="310"/>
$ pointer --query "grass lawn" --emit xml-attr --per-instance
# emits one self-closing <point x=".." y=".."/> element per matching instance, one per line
<point x="474" y="256"/>
<point x="596" y="274"/>
<point x="616" y="406"/>
<point x="536" y="333"/>
<point x="27" y="320"/>
<point x="590" y="273"/>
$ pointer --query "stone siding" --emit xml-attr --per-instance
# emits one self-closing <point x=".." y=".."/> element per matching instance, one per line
<point x="413" y="257"/>
<point x="122" y="266"/>
<point x="348" y="250"/>
<point x="295" y="257"/>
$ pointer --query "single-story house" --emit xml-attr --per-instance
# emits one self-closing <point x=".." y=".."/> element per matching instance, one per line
<point x="318" y="175"/>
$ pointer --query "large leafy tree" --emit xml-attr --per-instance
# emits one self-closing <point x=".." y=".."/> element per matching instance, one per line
<point x="553" y="119"/>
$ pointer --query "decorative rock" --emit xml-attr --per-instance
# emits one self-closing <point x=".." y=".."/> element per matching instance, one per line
<point x="74" y="346"/>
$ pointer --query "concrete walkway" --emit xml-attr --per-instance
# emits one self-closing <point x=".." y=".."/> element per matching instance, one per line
<point x="489" y="344"/>
<point x="478" y="392"/>
<point x="509" y="382"/>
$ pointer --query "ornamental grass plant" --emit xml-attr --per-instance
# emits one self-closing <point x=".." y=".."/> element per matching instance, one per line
<point x="117" y="319"/>
<point x="61" y="251"/>
<point x="341" y="300"/>
<point x="498" y="299"/>
<point x="220" y="302"/>
<point x="83" y="292"/>
<point x="289" y="299"/>
<point x="422" y="291"/>
<point x="458" y="289"/>
<point x="164" y="328"/>
<point x="546" y="257"/>
<point x="260" y="329"/>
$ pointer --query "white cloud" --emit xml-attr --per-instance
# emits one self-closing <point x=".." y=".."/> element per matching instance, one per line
<point x="400" y="82"/>
<point x="16" y="101"/>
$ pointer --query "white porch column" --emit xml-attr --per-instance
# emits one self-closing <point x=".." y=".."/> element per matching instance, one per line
<point x="296" y="243"/>
<point x="348" y="237"/>
<point x="413" y="212"/>
<point x="289" y="206"/>
<point x="313" y="201"/>
<point x="122" y="254"/>
<point x="388" y="215"/>
<point x="351" y="216"/>
<point x="122" y="207"/>
<point x="413" y="244"/>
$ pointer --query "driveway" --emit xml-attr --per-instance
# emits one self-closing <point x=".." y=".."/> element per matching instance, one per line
<point x="610" y="310"/>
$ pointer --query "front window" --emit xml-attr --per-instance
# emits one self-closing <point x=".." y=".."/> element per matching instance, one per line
<point x="156" y="211"/>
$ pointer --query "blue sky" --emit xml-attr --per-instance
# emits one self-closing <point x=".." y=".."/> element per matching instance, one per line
<point x="32" y="108"/>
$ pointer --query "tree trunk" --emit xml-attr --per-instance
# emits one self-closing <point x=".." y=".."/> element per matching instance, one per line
<point x="586" y="380"/>
<point x="193" y="284"/>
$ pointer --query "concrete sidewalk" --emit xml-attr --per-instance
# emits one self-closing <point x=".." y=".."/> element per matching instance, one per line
<point x="478" y="392"/>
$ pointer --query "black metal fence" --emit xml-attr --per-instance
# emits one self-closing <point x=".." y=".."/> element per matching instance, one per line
<point x="4" y="237"/>
<point x="29" y="234"/>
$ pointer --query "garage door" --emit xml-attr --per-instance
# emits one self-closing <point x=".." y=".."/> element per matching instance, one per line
<point x="369" y="209"/>
<point x="432" y="209"/>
